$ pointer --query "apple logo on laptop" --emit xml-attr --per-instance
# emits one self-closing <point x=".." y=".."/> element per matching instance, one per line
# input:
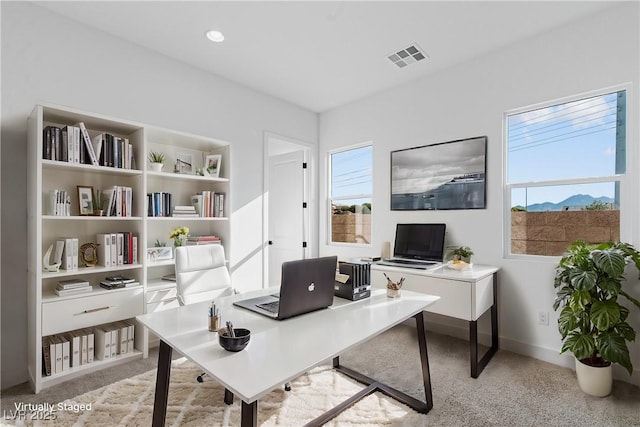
<point x="311" y="287"/>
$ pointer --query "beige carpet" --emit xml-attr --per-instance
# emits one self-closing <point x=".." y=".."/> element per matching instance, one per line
<point x="129" y="402"/>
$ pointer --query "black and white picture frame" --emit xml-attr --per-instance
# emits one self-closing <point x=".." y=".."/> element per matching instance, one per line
<point x="85" y="200"/>
<point x="211" y="167"/>
<point x="447" y="175"/>
<point x="184" y="163"/>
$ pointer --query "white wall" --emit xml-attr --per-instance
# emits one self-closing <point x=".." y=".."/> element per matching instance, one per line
<point x="48" y="58"/>
<point x="469" y="100"/>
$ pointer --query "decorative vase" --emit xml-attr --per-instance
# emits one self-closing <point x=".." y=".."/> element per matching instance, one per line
<point x="156" y="167"/>
<point x="594" y="380"/>
<point x="180" y="240"/>
<point x="393" y="293"/>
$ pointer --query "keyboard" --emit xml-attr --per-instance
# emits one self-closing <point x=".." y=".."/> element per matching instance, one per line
<point x="271" y="307"/>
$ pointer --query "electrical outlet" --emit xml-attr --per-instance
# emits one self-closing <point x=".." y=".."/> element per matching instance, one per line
<point x="543" y="318"/>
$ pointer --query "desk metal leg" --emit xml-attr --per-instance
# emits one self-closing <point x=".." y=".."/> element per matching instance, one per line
<point x="249" y="414"/>
<point x="162" y="385"/>
<point x="478" y="366"/>
<point x="228" y="397"/>
<point x="374" y="385"/>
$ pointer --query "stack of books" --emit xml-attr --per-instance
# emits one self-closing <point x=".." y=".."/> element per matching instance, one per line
<point x="202" y="240"/>
<point x="119" y="281"/>
<point x="72" y="286"/>
<point x="185" y="211"/>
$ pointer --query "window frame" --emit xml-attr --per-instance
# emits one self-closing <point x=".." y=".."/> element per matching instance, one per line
<point x="626" y="204"/>
<point x="330" y="197"/>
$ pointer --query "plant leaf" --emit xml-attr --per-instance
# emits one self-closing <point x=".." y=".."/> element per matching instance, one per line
<point x="583" y="280"/>
<point x="567" y="321"/>
<point x="581" y="345"/>
<point x="609" y="261"/>
<point x="605" y="314"/>
<point x="579" y="300"/>
<point x="613" y="348"/>
<point x="610" y="286"/>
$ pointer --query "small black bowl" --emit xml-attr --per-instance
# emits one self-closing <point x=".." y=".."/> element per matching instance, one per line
<point x="236" y="343"/>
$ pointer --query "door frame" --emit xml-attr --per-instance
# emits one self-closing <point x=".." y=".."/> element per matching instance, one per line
<point x="310" y="220"/>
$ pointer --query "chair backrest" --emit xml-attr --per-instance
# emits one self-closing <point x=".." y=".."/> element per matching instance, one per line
<point x="201" y="273"/>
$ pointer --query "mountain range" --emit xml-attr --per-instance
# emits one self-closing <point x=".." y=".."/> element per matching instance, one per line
<point x="575" y="201"/>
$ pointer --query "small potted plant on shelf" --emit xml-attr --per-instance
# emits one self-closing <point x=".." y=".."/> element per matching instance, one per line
<point x="593" y="324"/>
<point x="98" y="204"/>
<point x="156" y="159"/>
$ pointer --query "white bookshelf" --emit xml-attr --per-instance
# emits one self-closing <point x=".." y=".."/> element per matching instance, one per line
<point x="47" y="312"/>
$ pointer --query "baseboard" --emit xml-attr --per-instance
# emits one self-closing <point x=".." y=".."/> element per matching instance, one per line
<point x="550" y="355"/>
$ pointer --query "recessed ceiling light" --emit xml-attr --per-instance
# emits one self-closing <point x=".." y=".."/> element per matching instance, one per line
<point x="215" y="36"/>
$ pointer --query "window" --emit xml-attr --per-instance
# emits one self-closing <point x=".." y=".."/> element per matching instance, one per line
<point x="350" y="190"/>
<point x="566" y="166"/>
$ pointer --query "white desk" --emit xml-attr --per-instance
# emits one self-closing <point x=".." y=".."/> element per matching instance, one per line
<point x="280" y="351"/>
<point x="465" y="295"/>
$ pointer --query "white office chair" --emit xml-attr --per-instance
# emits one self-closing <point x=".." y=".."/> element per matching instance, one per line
<point x="201" y="273"/>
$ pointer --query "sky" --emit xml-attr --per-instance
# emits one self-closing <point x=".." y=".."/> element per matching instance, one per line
<point x="572" y="140"/>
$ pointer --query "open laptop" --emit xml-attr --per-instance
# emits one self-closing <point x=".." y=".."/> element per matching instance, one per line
<point x="307" y="285"/>
<point x="418" y="246"/>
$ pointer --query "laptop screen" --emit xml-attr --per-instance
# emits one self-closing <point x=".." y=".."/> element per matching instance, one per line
<point x="424" y="242"/>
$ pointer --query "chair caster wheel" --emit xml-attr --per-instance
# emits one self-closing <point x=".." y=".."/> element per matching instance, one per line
<point x="200" y="379"/>
<point x="287" y="387"/>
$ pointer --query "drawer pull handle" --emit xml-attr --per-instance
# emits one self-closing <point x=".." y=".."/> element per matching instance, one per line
<point x="93" y="310"/>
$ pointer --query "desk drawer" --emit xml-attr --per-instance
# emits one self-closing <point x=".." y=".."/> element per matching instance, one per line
<point x="162" y="305"/>
<point x="455" y="296"/>
<point x="161" y="295"/>
<point x="70" y="314"/>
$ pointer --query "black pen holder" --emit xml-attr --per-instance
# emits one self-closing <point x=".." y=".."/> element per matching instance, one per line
<point x="237" y="343"/>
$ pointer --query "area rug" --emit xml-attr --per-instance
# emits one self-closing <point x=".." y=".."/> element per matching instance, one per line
<point x="130" y="403"/>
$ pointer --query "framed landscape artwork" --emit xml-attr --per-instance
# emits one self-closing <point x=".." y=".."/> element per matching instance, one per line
<point x="447" y="175"/>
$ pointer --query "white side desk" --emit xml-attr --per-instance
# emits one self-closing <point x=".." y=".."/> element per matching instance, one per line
<point x="465" y="295"/>
<point x="280" y="351"/>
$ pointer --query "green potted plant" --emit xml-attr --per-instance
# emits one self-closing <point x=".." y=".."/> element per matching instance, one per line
<point x="462" y="253"/>
<point x="156" y="159"/>
<point x="593" y="324"/>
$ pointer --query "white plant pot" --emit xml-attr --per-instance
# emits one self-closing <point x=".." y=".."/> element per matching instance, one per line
<point x="156" y="167"/>
<point x="593" y="380"/>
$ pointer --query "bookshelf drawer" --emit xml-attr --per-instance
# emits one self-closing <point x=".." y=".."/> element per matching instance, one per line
<point x="70" y="314"/>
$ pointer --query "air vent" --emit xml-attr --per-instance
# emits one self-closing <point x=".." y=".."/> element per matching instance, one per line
<point x="408" y="56"/>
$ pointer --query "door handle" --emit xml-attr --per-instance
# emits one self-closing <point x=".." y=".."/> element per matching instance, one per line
<point x="271" y="242"/>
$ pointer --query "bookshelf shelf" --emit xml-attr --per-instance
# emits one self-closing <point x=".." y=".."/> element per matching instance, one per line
<point x="82" y="168"/>
<point x="184" y="177"/>
<point x="49" y="127"/>
<point x="90" y="218"/>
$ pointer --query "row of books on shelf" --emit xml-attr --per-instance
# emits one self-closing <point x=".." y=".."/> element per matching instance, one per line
<point x="61" y="352"/>
<point x="159" y="204"/>
<point x="209" y="204"/>
<point x="117" y="248"/>
<point x="116" y="200"/>
<point x="82" y="286"/>
<point x="202" y="240"/>
<point x="205" y="204"/>
<point x="59" y="203"/>
<point x="72" y="144"/>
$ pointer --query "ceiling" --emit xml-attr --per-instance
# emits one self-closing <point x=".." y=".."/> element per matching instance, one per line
<point x="324" y="54"/>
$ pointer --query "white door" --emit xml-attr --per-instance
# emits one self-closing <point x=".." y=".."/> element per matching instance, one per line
<point x="286" y="212"/>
